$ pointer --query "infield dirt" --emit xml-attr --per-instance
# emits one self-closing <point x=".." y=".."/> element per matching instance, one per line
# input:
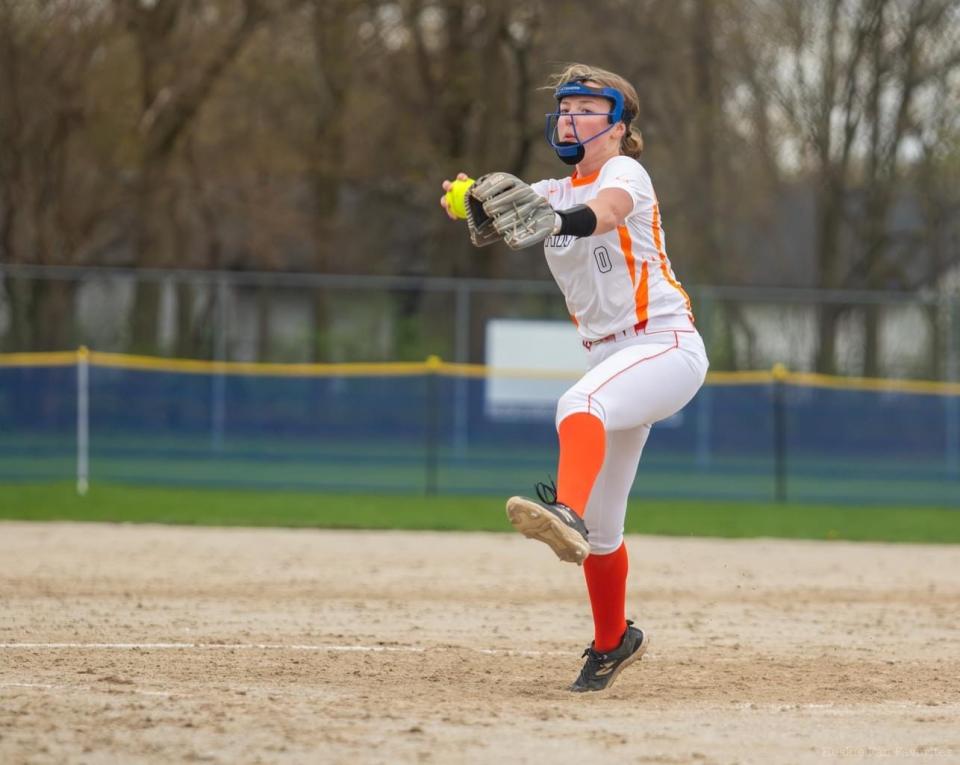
<point x="123" y="644"/>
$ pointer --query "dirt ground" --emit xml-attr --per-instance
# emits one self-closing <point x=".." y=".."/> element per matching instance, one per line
<point x="123" y="644"/>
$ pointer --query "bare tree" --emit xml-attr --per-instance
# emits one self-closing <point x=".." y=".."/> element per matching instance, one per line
<point x="456" y="82"/>
<point x="333" y="28"/>
<point x="180" y="56"/>
<point x="56" y="201"/>
<point x="850" y="76"/>
<point x="936" y="177"/>
<point x="312" y="134"/>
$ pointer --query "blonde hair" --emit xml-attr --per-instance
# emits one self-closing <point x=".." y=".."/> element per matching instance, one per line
<point x="632" y="142"/>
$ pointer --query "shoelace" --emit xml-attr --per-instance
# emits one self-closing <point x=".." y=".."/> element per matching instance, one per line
<point x="596" y="656"/>
<point x="547" y="492"/>
<point x="596" y="664"/>
<point x="593" y="656"/>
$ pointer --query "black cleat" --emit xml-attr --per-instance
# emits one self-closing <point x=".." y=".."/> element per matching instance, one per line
<point x="601" y="669"/>
<point x="550" y="522"/>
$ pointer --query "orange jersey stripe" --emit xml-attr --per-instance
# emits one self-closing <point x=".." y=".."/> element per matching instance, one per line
<point x="642" y="296"/>
<point x="658" y="242"/>
<point x="674" y="283"/>
<point x="626" y="244"/>
<point x="577" y="180"/>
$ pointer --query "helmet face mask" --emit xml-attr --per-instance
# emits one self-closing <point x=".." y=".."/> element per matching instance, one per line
<point x="572" y="152"/>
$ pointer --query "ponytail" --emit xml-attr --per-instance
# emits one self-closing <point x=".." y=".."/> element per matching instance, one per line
<point x="632" y="143"/>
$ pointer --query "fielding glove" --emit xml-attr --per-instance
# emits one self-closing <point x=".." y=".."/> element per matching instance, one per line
<point x="520" y="215"/>
<point x="480" y="225"/>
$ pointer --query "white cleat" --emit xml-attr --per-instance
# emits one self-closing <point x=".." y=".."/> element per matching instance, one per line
<point x="554" y="524"/>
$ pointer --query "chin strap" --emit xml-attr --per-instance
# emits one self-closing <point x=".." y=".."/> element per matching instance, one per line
<point x="570" y="153"/>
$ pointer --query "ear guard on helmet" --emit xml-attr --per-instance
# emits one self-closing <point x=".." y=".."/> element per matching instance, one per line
<point x="573" y="152"/>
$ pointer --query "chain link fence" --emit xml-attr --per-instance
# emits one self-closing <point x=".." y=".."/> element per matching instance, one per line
<point x="281" y="317"/>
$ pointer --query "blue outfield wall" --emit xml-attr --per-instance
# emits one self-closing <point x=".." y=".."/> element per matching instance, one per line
<point x="440" y="431"/>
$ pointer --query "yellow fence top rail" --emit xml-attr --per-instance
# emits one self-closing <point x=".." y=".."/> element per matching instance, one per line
<point x="197" y="366"/>
<point x="434" y="365"/>
<point x="58" y="359"/>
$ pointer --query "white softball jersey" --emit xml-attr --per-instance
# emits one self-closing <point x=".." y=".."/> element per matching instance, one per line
<point x="616" y="280"/>
<point x="650" y="360"/>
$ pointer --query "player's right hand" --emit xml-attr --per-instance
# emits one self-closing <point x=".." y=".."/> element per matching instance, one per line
<point x="446" y="187"/>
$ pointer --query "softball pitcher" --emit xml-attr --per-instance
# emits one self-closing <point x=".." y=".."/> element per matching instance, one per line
<point x="604" y="243"/>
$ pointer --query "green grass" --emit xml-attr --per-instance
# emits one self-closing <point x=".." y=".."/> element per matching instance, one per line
<point x="209" y="507"/>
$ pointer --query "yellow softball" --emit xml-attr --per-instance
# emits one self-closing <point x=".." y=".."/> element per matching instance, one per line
<point x="456" y="197"/>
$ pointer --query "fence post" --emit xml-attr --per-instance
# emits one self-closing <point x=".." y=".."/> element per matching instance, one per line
<point x="218" y="408"/>
<point x="779" y="373"/>
<point x="462" y="356"/>
<point x="704" y="414"/>
<point x="951" y="400"/>
<point x="83" y="420"/>
<point x="432" y="422"/>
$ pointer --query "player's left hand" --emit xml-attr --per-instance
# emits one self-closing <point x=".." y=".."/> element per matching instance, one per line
<point x="520" y="215"/>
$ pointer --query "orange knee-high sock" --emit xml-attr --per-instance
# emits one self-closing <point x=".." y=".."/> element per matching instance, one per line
<point x="583" y="442"/>
<point x="606" y="577"/>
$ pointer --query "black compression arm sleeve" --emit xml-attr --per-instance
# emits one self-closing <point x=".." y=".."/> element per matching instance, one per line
<point x="577" y="221"/>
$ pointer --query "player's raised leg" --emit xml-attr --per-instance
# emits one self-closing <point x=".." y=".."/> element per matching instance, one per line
<point x="557" y="518"/>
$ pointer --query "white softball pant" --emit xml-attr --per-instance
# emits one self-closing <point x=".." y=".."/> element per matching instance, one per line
<point x="633" y="382"/>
